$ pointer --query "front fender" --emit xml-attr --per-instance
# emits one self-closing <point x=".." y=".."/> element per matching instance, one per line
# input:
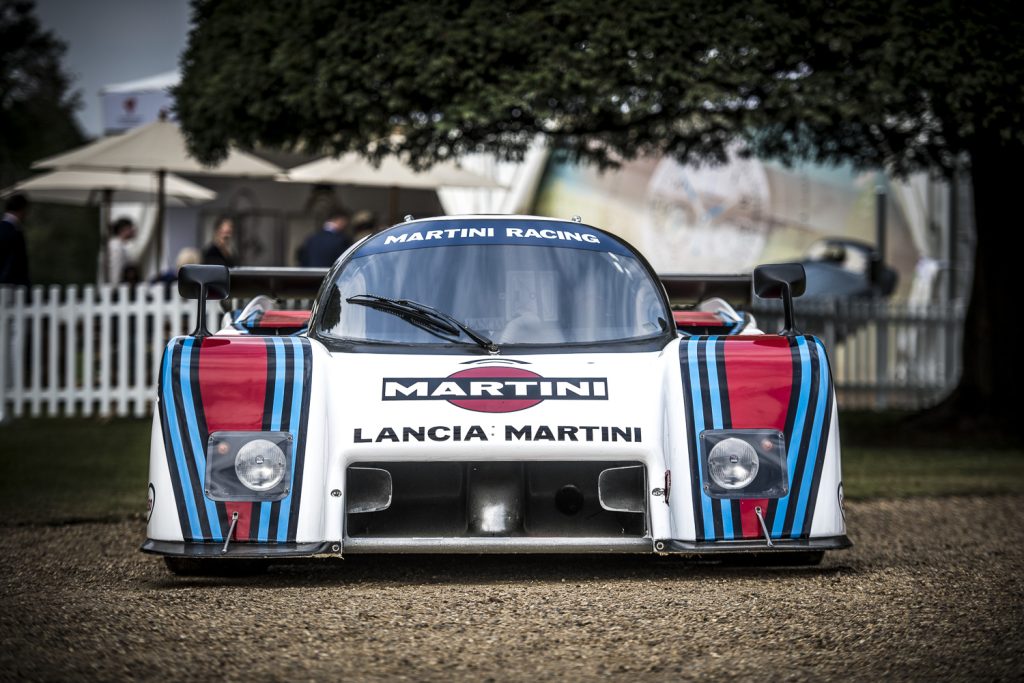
<point x="210" y="384"/>
<point x="770" y="382"/>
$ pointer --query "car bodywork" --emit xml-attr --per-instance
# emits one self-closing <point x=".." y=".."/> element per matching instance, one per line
<point x="399" y="434"/>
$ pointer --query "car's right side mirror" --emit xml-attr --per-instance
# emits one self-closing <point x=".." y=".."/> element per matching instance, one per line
<point x="781" y="281"/>
<point x="203" y="282"/>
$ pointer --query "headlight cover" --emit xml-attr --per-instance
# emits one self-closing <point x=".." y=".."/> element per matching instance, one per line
<point x="260" y="465"/>
<point x="248" y="466"/>
<point x="732" y="463"/>
<point x="744" y="463"/>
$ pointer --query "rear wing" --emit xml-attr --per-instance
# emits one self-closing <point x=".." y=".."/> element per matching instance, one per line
<point x="304" y="283"/>
<point x="277" y="283"/>
<point x="736" y="289"/>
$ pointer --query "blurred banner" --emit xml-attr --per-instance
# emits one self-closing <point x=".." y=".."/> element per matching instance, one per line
<point x="729" y="218"/>
<point x="131" y="104"/>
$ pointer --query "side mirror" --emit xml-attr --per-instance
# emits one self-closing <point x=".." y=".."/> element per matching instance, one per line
<point x="781" y="281"/>
<point x="202" y="283"/>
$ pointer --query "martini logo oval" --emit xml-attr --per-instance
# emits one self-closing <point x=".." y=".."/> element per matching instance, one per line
<point x="495" y="389"/>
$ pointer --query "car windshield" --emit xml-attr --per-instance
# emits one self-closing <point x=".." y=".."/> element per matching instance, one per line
<point x="510" y="293"/>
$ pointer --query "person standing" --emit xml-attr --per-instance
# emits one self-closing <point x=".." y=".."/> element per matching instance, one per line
<point x="364" y="224"/>
<point x="122" y="253"/>
<point x="13" y="253"/>
<point x="220" y="251"/>
<point x="322" y="248"/>
<point x="186" y="256"/>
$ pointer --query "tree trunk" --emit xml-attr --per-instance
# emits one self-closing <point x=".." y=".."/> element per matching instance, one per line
<point x="986" y="398"/>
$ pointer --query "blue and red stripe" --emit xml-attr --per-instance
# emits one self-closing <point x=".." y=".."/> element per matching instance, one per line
<point x="233" y="384"/>
<point x="764" y="382"/>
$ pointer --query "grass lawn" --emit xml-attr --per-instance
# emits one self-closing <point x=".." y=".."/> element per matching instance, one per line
<point x="60" y="469"/>
<point x="902" y="472"/>
<point x="63" y="469"/>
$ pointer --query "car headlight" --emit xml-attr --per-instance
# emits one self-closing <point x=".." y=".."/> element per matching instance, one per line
<point x="744" y="463"/>
<point x="733" y="463"/>
<point x="260" y="465"/>
<point x="249" y="466"/>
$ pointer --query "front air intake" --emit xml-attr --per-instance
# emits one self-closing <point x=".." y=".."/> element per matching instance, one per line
<point x="503" y="500"/>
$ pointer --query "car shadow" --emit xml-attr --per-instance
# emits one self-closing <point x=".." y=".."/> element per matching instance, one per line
<point x="415" y="570"/>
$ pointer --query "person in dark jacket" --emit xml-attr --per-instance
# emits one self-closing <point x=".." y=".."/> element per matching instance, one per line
<point x="322" y="248"/>
<point x="220" y="252"/>
<point x="13" y="254"/>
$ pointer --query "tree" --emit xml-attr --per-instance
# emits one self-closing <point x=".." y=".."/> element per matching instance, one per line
<point x="37" y="120"/>
<point x="904" y="85"/>
<point x="36" y="107"/>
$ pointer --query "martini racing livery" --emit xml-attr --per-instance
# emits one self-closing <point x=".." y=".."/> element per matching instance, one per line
<point x="491" y="384"/>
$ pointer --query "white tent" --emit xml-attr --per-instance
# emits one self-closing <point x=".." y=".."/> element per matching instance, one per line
<point x="93" y="187"/>
<point x="158" y="148"/>
<point x="353" y="169"/>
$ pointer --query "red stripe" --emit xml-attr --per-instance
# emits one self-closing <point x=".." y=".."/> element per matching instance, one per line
<point x="232" y="379"/>
<point x="244" y="511"/>
<point x="284" y="318"/>
<point x="698" y="318"/>
<point x="759" y="374"/>
<point x="748" y="516"/>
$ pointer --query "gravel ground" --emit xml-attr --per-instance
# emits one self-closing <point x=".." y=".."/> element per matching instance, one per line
<point x="932" y="589"/>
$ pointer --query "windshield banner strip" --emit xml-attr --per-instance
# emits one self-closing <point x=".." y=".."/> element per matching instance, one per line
<point x="464" y="232"/>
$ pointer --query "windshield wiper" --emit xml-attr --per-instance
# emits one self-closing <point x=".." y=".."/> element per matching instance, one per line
<point x="424" y="316"/>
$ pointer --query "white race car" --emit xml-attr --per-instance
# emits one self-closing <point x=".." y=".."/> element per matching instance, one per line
<point x="492" y="384"/>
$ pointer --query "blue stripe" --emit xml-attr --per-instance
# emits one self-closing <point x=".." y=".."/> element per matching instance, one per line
<point x="198" y="447"/>
<point x="698" y="427"/>
<point x="279" y="377"/>
<point x="727" y="531"/>
<point x="716" y="422"/>
<point x="812" y="451"/>
<point x="293" y="428"/>
<point x="275" y="425"/>
<point x="797" y="436"/>
<point x="179" y="453"/>
<point x="716" y="397"/>
<point x="264" y="522"/>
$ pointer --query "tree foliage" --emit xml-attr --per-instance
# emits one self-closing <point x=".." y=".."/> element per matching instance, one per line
<point x="906" y="84"/>
<point x="36" y="104"/>
<point x="37" y="120"/>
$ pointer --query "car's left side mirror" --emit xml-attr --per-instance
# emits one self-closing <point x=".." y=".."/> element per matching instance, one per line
<point x="781" y="281"/>
<point x="202" y="283"/>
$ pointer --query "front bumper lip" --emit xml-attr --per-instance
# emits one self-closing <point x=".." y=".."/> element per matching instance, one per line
<point x="493" y="545"/>
<point x="752" y="545"/>
<point x="238" y="550"/>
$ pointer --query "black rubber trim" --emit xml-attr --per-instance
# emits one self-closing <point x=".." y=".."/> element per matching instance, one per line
<point x="249" y="550"/>
<point x="643" y="345"/>
<point x="780" y="545"/>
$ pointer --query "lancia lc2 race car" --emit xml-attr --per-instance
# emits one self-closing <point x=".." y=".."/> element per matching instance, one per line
<point x="491" y="384"/>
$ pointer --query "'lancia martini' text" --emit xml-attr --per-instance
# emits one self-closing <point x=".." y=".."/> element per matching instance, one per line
<point x="584" y="433"/>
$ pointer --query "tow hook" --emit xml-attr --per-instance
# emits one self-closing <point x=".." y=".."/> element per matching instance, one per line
<point x="764" y="527"/>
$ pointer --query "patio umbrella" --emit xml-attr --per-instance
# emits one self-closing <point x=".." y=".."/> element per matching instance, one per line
<point x="94" y="187"/>
<point x="99" y="187"/>
<point x="353" y="169"/>
<point x="157" y="148"/>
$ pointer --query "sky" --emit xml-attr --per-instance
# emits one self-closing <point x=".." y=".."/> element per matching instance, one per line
<point x="112" y="41"/>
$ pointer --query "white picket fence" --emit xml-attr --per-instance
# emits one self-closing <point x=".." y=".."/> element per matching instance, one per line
<point x="82" y="351"/>
<point x="92" y="350"/>
<point x="883" y="355"/>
